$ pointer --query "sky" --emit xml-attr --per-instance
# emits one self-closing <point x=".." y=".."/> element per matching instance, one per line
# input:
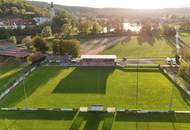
<point x="134" y="4"/>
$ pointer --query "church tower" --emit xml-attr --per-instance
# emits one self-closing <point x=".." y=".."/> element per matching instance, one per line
<point x="52" y="11"/>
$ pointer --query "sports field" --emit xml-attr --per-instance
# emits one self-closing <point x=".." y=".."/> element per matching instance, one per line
<point x="148" y="47"/>
<point x="7" y="72"/>
<point x="92" y="121"/>
<point x="76" y="87"/>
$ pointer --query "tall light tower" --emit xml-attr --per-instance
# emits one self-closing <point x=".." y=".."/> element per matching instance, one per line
<point x="177" y="41"/>
<point x="52" y="11"/>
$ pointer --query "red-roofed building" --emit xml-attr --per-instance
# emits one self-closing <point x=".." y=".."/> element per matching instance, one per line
<point x="15" y="53"/>
<point x="10" y="50"/>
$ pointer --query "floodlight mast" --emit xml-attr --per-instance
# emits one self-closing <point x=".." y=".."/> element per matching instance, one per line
<point x="177" y="41"/>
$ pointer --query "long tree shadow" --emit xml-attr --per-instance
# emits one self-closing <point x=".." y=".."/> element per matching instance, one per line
<point x="29" y="85"/>
<point x="146" y="39"/>
<point x="37" y="115"/>
<point x="170" y="40"/>
<point x="153" y="117"/>
<point x="135" y="70"/>
<point x="92" y="121"/>
<point x="85" y="80"/>
<point x="125" y="41"/>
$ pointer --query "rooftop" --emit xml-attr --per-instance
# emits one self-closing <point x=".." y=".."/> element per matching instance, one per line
<point x="98" y="57"/>
<point x="14" y="53"/>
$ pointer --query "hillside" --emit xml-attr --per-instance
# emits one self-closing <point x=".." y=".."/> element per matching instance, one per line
<point x="20" y="8"/>
<point x="86" y="11"/>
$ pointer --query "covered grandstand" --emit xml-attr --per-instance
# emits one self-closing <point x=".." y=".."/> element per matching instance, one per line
<point x="98" y="60"/>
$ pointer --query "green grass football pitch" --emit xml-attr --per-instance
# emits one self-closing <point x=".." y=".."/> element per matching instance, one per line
<point x="147" y="47"/>
<point x="57" y="87"/>
<point x="91" y="121"/>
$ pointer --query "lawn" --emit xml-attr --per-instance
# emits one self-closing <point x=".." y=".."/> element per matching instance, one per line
<point x="7" y="72"/>
<point x="148" y="47"/>
<point x="92" y="121"/>
<point x="76" y="87"/>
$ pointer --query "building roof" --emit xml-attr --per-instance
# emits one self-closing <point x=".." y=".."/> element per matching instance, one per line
<point x="14" y="53"/>
<point x="98" y="57"/>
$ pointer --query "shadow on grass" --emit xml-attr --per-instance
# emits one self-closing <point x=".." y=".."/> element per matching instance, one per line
<point x="146" y="39"/>
<point x="85" y="80"/>
<point x="125" y="41"/>
<point x="153" y="117"/>
<point x="37" y="115"/>
<point x="171" y="40"/>
<point x="185" y="97"/>
<point x="92" y="121"/>
<point x="38" y="78"/>
<point x="139" y="70"/>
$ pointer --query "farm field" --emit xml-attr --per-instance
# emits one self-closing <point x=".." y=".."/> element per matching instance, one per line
<point x="76" y="87"/>
<point x="134" y="47"/>
<point x="6" y="73"/>
<point x="92" y="121"/>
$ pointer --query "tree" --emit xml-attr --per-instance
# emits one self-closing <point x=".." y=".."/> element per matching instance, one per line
<point x="96" y="28"/>
<point x="66" y="47"/>
<point x="146" y="29"/>
<point x="168" y="30"/>
<point x="70" y="47"/>
<point x="56" y="46"/>
<point x="63" y="18"/>
<point x="35" y="57"/>
<point x="13" y="39"/>
<point x="27" y="41"/>
<point x="86" y="27"/>
<point x="67" y="29"/>
<point x="14" y="10"/>
<point x="46" y="32"/>
<point x="40" y="44"/>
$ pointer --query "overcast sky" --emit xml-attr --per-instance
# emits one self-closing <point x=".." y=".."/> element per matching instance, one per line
<point x="136" y="4"/>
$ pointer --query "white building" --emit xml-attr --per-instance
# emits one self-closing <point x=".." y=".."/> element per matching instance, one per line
<point x="41" y="20"/>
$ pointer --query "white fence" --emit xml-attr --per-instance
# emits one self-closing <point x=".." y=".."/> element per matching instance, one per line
<point x="16" y="83"/>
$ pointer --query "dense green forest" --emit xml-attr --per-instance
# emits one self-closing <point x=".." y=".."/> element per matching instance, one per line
<point x="20" y="8"/>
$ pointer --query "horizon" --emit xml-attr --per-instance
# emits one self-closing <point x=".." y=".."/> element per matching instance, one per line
<point x="135" y="4"/>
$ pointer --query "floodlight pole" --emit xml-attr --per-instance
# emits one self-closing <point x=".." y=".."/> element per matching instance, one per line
<point x="177" y="41"/>
<point x="137" y="83"/>
<point x="171" y="98"/>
